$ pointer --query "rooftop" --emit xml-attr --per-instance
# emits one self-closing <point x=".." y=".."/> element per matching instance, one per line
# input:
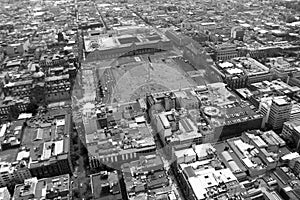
<point x="187" y="129"/>
<point x="243" y="66"/>
<point x="282" y="101"/>
<point x="104" y="42"/>
<point x="105" y="185"/>
<point x="121" y="130"/>
<point x="281" y="64"/>
<point x="206" y="181"/>
<point x="9" y="155"/>
<point x="249" y="158"/>
<point x="13" y="101"/>
<point x="222" y="107"/>
<point x="47" y="136"/>
<point x="277" y="85"/>
<point x="145" y="176"/>
<point x="3" y="193"/>
<point x="267" y="99"/>
<point x="293" y="124"/>
<point x="11" y="134"/>
<point x="184" y="121"/>
<point x="47" y="188"/>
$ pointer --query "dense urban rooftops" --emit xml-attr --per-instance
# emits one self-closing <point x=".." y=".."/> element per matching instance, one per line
<point x="49" y="188"/>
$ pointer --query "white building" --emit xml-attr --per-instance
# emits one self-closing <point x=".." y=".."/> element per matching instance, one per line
<point x="4" y="194"/>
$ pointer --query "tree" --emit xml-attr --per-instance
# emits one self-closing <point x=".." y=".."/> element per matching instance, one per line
<point x="75" y="139"/>
<point x="32" y="108"/>
<point x="11" y="186"/>
<point x="76" y="147"/>
<point x="290" y="19"/>
<point x="74" y="158"/>
<point x="83" y="150"/>
<point x="60" y="37"/>
<point x="14" y="112"/>
<point x="76" y="193"/>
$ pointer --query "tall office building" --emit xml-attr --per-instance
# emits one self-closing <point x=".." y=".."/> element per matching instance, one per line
<point x="291" y="130"/>
<point x="279" y="112"/>
<point x="237" y="33"/>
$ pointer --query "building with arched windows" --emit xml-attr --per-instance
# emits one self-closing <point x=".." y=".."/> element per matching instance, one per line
<point x="105" y="47"/>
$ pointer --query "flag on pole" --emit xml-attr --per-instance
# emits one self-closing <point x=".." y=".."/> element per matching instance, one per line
<point x="150" y="63"/>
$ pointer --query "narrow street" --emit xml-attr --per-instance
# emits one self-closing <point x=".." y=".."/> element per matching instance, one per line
<point x="167" y="165"/>
<point x="173" y="181"/>
<point x="80" y="182"/>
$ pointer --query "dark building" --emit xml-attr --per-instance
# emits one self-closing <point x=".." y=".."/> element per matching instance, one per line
<point x="106" y="186"/>
<point x="49" y="144"/>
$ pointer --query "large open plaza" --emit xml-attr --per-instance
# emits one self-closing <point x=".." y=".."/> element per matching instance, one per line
<point x="129" y="78"/>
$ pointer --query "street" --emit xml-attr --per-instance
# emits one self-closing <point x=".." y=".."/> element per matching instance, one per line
<point x="109" y="84"/>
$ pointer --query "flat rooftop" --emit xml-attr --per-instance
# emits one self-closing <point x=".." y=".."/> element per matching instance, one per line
<point x="250" y="160"/>
<point x="206" y="181"/>
<point x="46" y="188"/>
<point x="282" y="101"/>
<point x="105" y="185"/>
<point x="13" y="100"/>
<point x="222" y="106"/>
<point x="215" y="94"/>
<point x="128" y="40"/>
<point x="187" y="129"/>
<point x="137" y="139"/>
<point x="282" y="64"/>
<point x="47" y="128"/>
<point x="138" y="181"/>
<point x="12" y="134"/>
<point x="125" y="131"/>
<point x="294" y="124"/>
<point x="47" y="135"/>
<point x="104" y="42"/>
<point x="243" y="66"/>
<point x="278" y="85"/>
<point x="9" y="155"/>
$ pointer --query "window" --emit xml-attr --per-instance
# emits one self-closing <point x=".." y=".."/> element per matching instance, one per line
<point x="16" y="50"/>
